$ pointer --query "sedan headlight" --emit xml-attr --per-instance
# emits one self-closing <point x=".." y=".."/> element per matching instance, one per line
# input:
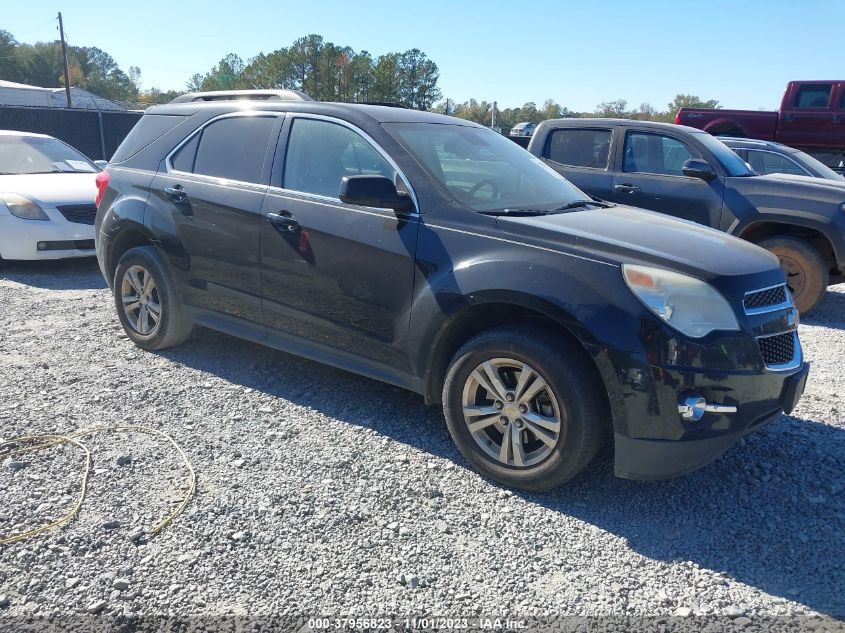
<point x="689" y="305"/>
<point x="22" y="207"/>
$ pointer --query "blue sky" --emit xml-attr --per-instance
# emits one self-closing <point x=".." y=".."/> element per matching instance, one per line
<point x="741" y="52"/>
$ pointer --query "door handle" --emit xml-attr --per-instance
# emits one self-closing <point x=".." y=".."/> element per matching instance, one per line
<point x="626" y="188"/>
<point x="283" y="221"/>
<point x="176" y="193"/>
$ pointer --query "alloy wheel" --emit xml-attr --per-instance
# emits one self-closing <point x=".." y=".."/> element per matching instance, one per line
<point x="141" y="302"/>
<point x="511" y="412"/>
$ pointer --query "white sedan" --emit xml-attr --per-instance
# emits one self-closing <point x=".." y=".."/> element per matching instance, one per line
<point x="47" y="198"/>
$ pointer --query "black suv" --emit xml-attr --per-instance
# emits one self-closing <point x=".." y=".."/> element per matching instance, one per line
<point x="688" y="173"/>
<point x="434" y="254"/>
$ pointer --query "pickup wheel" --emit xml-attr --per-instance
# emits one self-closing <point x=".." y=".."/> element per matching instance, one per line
<point x="524" y="407"/>
<point x="147" y="305"/>
<point x="807" y="273"/>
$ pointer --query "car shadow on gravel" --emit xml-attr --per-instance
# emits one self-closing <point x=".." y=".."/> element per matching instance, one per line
<point x="769" y="513"/>
<point x="59" y="274"/>
<point x="831" y="310"/>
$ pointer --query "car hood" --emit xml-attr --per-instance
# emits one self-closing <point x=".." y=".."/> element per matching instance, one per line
<point x="52" y="189"/>
<point x="810" y="180"/>
<point x="628" y="235"/>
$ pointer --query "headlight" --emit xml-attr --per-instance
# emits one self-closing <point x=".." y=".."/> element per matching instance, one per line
<point x="688" y="304"/>
<point x="23" y="208"/>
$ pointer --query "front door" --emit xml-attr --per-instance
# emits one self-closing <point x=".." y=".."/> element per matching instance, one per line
<point x="581" y="155"/>
<point x="212" y="195"/>
<point x="335" y="274"/>
<point x="651" y="177"/>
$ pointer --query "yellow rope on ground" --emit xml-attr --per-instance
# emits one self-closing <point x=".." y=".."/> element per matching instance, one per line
<point x="44" y="441"/>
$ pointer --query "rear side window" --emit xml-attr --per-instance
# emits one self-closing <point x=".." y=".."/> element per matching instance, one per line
<point x="321" y="153"/>
<point x="655" y="154"/>
<point x="579" y="147"/>
<point x="813" y="96"/>
<point x="150" y="128"/>
<point x="231" y="148"/>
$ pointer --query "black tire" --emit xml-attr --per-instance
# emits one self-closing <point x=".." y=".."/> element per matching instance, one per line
<point x="807" y="273"/>
<point x="172" y="326"/>
<point x="574" y="386"/>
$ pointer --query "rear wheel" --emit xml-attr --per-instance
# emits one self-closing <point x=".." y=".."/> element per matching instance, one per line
<point x="524" y="407"/>
<point x="807" y="274"/>
<point x="146" y="301"/>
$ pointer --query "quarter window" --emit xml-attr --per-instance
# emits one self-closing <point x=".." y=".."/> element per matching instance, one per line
<point x="770" y="163"/>
<point x="579" y="147"/>
<point x="321" y="153"/>
<point x="813" y="96"/>
<point x="655" y="154"/>
<point x="231" y="148"/>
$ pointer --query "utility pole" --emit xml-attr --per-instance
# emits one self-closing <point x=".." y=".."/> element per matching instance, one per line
<point x="493" y="118"/>
<point x="64" y="56"/>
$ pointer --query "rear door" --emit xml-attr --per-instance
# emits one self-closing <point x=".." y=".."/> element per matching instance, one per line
<point x="582" y="156"/>
<point x="210" y="197"/>
<point x="810" y="120"/>
<point x="650" y="175"/>
<point x="338" y="275"/>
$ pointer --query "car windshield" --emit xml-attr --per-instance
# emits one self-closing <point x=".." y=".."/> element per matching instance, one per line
<point x="733" y="164"/>
<point x="483" y="170"/>
<point x="816" y="165"/>
<point x="21" y="155"/>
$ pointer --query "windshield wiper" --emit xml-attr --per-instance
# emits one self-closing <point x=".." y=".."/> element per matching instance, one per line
<point x="516" y="212"/>
<point x="575" y="204"/>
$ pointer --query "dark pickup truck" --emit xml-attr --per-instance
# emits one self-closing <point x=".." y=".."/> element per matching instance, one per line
<point x="689" y="174"/>
<point x="811" y="118"/>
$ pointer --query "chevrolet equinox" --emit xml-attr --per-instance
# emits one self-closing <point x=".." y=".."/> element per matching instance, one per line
<point x="435" y="254"/>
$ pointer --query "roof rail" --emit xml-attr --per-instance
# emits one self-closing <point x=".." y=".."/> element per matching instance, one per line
<point x="243" y="95"/>
<point x="389" y="104"/>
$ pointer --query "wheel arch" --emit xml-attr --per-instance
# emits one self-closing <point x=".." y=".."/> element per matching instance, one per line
<point x="757" y="231"/>
<point x="128" y="235"/>
<point x="726" y="127"/>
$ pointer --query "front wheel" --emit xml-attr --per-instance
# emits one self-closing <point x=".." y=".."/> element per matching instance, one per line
<point x="524" y="407"/>
<point x="807" y="274"/>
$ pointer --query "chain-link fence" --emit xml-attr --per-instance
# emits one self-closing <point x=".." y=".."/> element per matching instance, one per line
<point x="95" y="133"/>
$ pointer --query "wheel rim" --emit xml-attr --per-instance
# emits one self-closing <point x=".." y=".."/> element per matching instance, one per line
<point x="140" y="300"/>
<point x="511" y="412"/>
<point x="795" y="276"/>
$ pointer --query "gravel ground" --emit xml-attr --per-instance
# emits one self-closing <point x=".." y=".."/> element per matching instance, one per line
<point x="320" y="492"/>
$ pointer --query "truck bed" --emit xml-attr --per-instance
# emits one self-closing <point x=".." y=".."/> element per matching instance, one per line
<point x="758" y="124"/>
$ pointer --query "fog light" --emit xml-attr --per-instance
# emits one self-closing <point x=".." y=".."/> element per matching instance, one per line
<point x="42" y="246"/>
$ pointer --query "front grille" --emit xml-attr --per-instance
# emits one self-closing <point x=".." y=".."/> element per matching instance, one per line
<point x="778" y="349"/>
<point x="79" y="213"/>
<point x="762" y="299"/>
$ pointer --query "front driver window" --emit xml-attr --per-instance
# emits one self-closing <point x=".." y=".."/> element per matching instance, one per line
<point x="321" y="153"/>
<point x="655" y="154"/>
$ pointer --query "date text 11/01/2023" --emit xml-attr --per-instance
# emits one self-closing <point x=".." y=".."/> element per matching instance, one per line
<point x="417" y="623"/>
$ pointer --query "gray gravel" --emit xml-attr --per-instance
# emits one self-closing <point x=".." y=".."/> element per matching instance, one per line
<point x="321" y="492"/>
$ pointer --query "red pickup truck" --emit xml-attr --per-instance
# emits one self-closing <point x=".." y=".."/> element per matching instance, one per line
<point x="811" y="118"/>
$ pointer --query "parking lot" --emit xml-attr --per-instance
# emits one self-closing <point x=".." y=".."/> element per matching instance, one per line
<point x="321" y="492"/>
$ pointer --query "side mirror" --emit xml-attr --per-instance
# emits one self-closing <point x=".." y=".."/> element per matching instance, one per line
<point x="698" y="168"/>
<point x="373" y="191"/>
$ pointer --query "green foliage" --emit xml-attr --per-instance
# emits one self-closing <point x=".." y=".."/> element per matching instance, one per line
<point x="324" y="70"/>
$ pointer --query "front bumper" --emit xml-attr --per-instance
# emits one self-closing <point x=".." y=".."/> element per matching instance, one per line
<point x="40" y="239"/>
<point x="702" y="442"/>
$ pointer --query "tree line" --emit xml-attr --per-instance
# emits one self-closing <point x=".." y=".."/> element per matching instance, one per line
<point x="324" y="70"/>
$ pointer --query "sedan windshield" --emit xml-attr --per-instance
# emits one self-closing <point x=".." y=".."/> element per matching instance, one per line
<point x="483" y="170"/>
<point x="820" y="168"/>
<point x="21" y="155"/>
